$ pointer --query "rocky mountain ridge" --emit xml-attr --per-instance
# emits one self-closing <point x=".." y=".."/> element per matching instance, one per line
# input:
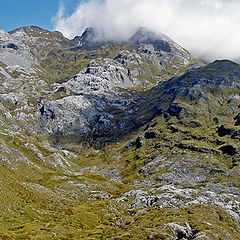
<point x="116" y="140"/>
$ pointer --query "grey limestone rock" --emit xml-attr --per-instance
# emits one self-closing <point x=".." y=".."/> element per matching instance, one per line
<point x="181" y="232"/>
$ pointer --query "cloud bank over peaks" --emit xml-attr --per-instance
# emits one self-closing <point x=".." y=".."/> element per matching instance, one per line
<point x="208" y="28"/>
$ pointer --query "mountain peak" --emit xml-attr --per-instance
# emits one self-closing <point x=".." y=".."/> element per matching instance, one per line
<point x="90" y="35"/>
<point x="31" y="28"/>
<point x="146" y="36"/>
<point x="224" y="62"/>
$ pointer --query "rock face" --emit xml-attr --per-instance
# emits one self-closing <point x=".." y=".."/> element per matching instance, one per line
<point x="104" y="80"/>
<point x="15" y="54"/>
<point x="159" y="42"/>
<point x="116" y="140"/>
<point x="89" y="36"/>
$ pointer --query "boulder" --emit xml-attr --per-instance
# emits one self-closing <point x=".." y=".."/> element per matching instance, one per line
<point x="150" y="135"/>
<point x="173" y="129"/>
<point x="12" y="46"/>
<point x="228" y="149"/>
<point x="223" y="131"/>
<point x="181" y="232"/>
<point x="139" y="142"/>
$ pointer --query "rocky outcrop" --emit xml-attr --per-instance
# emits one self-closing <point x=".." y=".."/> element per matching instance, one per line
<point x="101" y="76"/>
<point x="89" y="36"/>
<point x="13" y="52"/>
<point x="104" y="79"/>
<point x="223" y="131"/>
<point x="160" y="42"/>
<point x="229" y="149"/>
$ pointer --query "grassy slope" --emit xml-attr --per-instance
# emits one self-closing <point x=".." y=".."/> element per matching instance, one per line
<point x="60" y="210"/>
<point x="48" y="213"/>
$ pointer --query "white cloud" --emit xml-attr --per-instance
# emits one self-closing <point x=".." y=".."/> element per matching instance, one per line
<point x="209" y="28"/>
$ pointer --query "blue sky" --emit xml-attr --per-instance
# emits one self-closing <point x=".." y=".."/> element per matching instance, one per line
<point x="18" y="13"/>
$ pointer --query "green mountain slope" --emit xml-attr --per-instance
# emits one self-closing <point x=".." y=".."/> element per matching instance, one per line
<point x="108" y="140"/>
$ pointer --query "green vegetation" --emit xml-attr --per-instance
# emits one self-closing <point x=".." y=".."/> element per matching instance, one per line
<point x="58" y="60"/>
<point x="175" y="164"/>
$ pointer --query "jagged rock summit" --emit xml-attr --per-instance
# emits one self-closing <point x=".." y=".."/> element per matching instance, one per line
<point x="89" y="36"/>
<point x="143" y="36"/>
